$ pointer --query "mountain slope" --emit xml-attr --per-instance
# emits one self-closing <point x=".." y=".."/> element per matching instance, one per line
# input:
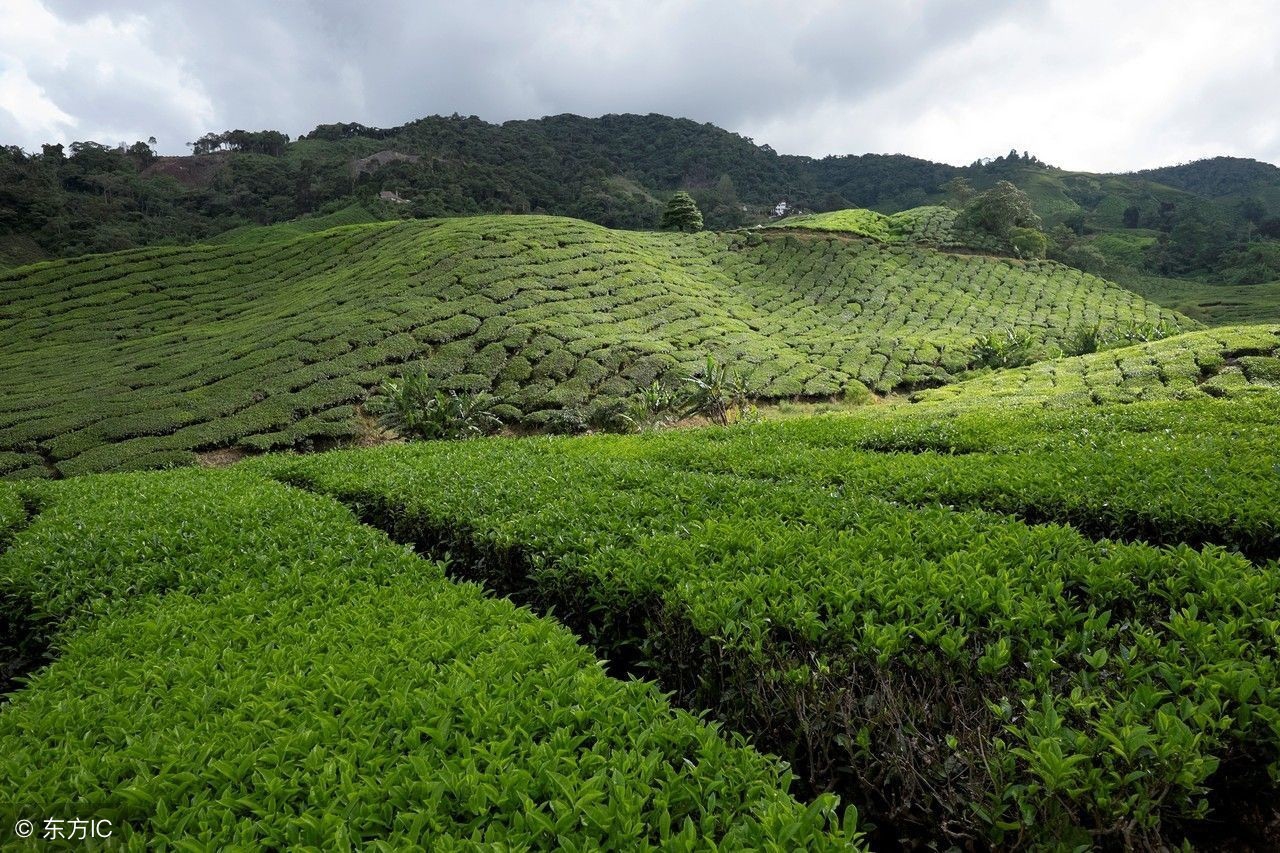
<point x="138" y="358"/>
<point x="1221" y="177"/>
<point x="614" y="170"/>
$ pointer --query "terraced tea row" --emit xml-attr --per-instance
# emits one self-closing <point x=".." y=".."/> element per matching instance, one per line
<point x="137" y="359"/>
<point x="932" y="225"/>
<point x="243" y="665"/>
<point x="1219" y="362"/>
<point x="964" y="675"/>
<point x="1199" y="471"/>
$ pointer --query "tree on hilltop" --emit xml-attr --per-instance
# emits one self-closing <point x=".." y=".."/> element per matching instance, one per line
<point x="682" y="213"/>
<point x="959" y="192"/>
<point x="999" y="211"/>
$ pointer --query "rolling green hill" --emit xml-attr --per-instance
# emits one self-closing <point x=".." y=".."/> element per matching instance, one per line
<point x="933" y="226"/>
<point x="350" y="215"/>
<point x="139" y="358"/>
<point x="614" y="170"/>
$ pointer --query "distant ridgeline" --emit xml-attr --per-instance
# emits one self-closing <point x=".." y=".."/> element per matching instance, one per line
<point x="1216" y="218"/>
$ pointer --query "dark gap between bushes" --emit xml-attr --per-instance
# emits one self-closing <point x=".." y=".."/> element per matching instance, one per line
<point x="25" y="637"/>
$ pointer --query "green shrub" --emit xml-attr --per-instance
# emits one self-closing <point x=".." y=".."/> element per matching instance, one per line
<point x="1028" y="242"/>
<point x="1082" y="340"/>
<point x="1010" y="348"/>
<point x="243" y="665"/>
<point x="415" y="406"/>
<point x="655" y="406"/>
<point x="717" y="392"/>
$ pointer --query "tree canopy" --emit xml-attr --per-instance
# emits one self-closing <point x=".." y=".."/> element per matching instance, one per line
<point x="998" y="211"/>
<point x="615" y="170"/>
<point x="682" y="213"/>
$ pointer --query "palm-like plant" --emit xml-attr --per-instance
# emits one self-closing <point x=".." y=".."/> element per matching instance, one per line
<point x="716" y="392"/>
<point x="1010" y="348"/>
<point x="656" y="406"/>
<point x="415" y="406"/>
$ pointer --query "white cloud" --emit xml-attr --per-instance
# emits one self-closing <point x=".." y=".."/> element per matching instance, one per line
<point x="35" y="116"/>
<point x="1086" y="84"/>
<point x="104" y="77"/>
<point x="1091" y="85"/>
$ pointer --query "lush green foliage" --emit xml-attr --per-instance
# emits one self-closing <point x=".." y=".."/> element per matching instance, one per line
<point x="851" y="592"/>
<point x="933" y="226"/>
<point x="243" y="665"/>
<point x="352" y="215"/>
<point x="1218" y="362"/>
<point x="1004" y="213"/>
<point x="137" y="359"/>
<point x="417" y="407"/>
<point x="682" y="214"/>
<point x="1028" y="242"/>
<point x="13" y="512"/>
<point x="613" y="170"/>
<point x="1212" y="304"/>
<point x="716" y="392"/>
<point x="1009" y="348"/>
<point x="1222" y="177"/>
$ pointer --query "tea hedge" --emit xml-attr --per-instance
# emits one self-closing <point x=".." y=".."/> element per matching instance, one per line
<point x="144" y="358"/>
<point x="1198" y="471"/>
<point x="964" y="676"/>
<point x="931" y="225"/>
<point x="243" y="665"/>
<point x="1219" y="362"/>
<point x="13" y="512"/>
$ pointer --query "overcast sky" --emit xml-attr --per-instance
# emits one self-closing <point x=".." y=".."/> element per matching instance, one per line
<point x="1084" y="84"/>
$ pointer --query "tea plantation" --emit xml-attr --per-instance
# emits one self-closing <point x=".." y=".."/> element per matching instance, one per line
<point x="139" y="359"/>
<point x="1018" y="600"/>
<point x="240" y="664"/>
<point x="1216" y="362"/>
<point x="982" y="622"/>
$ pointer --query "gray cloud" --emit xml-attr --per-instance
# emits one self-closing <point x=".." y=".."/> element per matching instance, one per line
<point x="1087" y="84"/>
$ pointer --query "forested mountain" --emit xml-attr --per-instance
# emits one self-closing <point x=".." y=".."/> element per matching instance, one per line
<point x="1215" y="219"/>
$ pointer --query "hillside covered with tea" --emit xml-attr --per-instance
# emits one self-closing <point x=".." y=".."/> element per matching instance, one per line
<point x="268" y="340"/>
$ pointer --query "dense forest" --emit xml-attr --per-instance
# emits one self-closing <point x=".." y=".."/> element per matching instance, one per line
<point x="1218" y="219"/>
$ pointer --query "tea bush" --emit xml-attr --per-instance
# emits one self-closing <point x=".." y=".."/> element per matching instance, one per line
<point x="1218" y="362"/>
<point x="875" y="617"/>
<point x="244" y="665"/>
<point x="13" y="512"/>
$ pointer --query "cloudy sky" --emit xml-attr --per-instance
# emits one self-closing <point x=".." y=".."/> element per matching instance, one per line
<point x="1085" y="84"/>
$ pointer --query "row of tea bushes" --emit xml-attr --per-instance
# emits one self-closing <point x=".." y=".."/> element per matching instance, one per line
<point x="1204" y="470"/>
<point x="13" y="512"/>
<point x="932" y="225"/>
<point x="1218" y="362"/>
<point x="240" y="664"/>
<point x="964" y="675"/>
